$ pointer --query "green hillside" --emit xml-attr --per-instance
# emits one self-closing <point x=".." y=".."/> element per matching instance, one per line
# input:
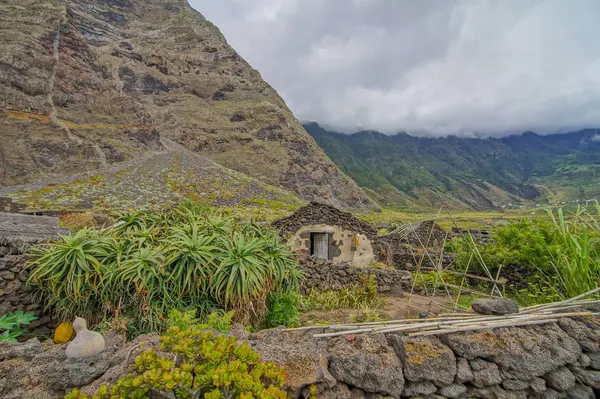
<point x="478" y="173"/>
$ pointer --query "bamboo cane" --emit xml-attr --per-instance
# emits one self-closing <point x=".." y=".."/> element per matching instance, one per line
<point x="478" y="328"/>
<point x="551" y="305"/>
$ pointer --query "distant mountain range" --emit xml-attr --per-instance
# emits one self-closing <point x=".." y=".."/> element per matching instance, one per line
<point x="477" y="173"/>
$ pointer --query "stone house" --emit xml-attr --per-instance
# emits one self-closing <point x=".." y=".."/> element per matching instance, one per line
<point x="325" y="232"/>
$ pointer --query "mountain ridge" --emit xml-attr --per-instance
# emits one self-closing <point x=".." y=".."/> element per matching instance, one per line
<point x="90" y="84"/>
<point x="477" y="172"/>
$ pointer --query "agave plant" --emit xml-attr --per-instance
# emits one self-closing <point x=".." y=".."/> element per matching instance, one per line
<point x="242" y="273"/>
<point x="190" y="256"/>
<point x="221" y="225"/>
<point x="144" y="270"/>
<point x="70" y="267"/>
<point x="282" y="263"/>
<point x="129" y="222"/>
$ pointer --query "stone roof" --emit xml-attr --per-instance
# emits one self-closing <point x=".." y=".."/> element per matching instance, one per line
<point x="318" y="213"/>
<point x="20" y="230"/>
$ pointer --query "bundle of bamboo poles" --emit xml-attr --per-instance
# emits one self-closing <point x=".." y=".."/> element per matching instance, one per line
<point x="457" y="322"/>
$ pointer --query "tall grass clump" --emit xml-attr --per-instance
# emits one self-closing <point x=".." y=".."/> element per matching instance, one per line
<point x="147" y="264"/>
<point x="577" y="264"/>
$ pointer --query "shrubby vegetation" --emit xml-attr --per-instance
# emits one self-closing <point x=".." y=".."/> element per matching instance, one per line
<point x="150" y="263"/>
<point x="203" y="366"/>
<point x="559" y="258"/>
<point x="363" y="295"/>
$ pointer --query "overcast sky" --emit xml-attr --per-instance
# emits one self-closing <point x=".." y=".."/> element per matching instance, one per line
<point x="429" y="67"/>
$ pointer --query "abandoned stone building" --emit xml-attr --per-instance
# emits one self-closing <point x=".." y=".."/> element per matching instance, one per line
<point x="325" y="232"/>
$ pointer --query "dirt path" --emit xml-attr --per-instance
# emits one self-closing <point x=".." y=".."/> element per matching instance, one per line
<point x="393" y="307"/>
<point x="410" y="305"/>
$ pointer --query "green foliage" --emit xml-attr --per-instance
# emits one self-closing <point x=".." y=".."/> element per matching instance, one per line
<point x="200" y="365"/>
<point x="356" y="296"/>
<point x="577" y="264"/>
<point x="69" y="270"/>
<point x="10" y="325"/>
<point x="524" y="242"/>
<point x="282" y="310"/>
<point x="561" y="258"/>
<point x="541" y="289"/>
<point x="394" y="166"/>
<point x="433" y="279"/>
<point x="218" y="320"/>
<point x="151" y="262"/>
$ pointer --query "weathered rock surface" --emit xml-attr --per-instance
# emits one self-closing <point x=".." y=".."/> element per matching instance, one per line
<point x="98" y="84"/>
<point x="425" y="359"/>
<point x="304" y="358"/>
<point x="368" y="363"/>
<point x="521" y="353"/>
<point x="561" y="379"/>
<point x="495" y="306"/>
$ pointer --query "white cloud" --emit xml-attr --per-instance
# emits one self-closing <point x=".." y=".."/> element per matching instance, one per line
<point x="429" y="66"/>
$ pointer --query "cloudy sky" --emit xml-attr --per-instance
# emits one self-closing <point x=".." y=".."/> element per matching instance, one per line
<point x="430" y="67"/>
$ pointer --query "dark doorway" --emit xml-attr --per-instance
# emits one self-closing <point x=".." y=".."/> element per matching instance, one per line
<point x="319" y="245"/>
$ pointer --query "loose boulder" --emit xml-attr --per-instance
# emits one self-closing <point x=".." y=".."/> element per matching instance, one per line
<point x="495" y="306"/>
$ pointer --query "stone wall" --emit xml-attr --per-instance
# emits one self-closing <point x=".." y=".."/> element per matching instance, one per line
<point x="556" y="360"/>
<point x="17" y="233"/>
<point x="321" y="274"/>
<point x="344" y="246"/>
<point x="15" y="295"/>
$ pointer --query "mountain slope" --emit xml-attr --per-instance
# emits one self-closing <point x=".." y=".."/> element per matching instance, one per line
<point x="87" y="84"/>
<point x="477" y="173"/>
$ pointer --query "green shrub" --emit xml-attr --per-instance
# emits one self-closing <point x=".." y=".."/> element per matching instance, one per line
<point x="199" y="365"/>
<point x="282" y="310"/>
<point x="149" y="263"/>
<point x="432" y="279"/>
<point x="218" y="320"/>
<point x="529" y="243"/>
<point x="10" y="325"/>
<point x="561" y="257"/>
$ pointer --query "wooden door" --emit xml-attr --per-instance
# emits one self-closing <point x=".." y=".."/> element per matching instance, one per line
<point x="320" y="245"/>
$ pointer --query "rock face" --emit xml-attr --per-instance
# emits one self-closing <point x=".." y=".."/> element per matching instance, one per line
<point x="513" y="363"/>
<point x="495" y="306"/>
<point x="99" y="84"/>
<point x="368" y="363"/>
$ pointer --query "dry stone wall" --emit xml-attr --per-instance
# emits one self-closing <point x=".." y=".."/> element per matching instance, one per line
<point x="17" y="233"/>
<point x="15" y="295"/>
<point x="557" y="360"/>
<point x="321" y="274"/>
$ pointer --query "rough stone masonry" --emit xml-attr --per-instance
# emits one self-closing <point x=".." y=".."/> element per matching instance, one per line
<point x="557" y="360"/>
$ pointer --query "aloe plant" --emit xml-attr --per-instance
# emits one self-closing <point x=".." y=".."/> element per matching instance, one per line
<point x="153" y="262"/>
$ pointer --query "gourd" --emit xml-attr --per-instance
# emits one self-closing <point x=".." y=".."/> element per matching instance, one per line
<point x="64" y="333"/>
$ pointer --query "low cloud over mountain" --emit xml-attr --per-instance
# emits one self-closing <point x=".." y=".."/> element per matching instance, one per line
<point x="426" y="67"/>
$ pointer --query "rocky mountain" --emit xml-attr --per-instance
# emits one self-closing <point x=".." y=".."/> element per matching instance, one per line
<point x="468" y="172"/>
<point x="94" y="88"/>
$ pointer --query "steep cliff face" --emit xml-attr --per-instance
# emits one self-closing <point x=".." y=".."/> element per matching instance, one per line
<point x="88" y="84"/>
